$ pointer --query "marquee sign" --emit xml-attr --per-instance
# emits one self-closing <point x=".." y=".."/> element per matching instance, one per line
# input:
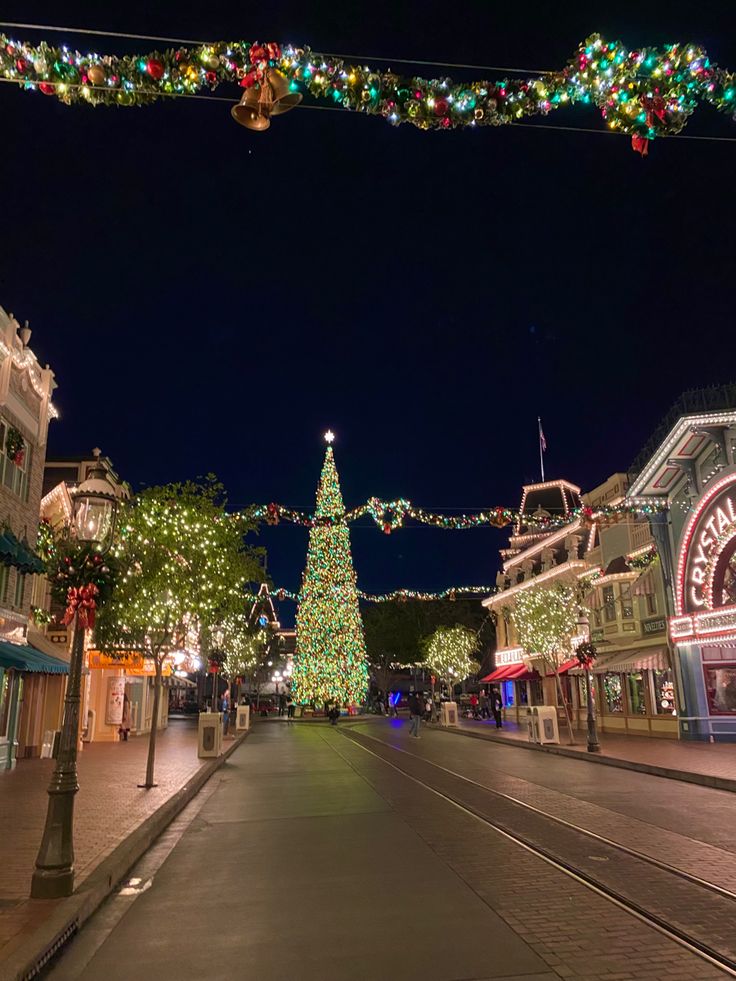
<point x="706" y="571"/>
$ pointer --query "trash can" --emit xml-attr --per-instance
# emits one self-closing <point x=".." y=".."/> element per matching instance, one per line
<point x="448" y="714"/>
<point x="532" y="725"/>
<point x="548" y="731"/>
<point x="242" y="719"/>
<point x="210" y="734"/>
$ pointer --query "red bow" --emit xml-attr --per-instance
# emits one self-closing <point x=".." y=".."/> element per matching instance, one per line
<point x="81" y="602"/>
<point x="640" y="144"/>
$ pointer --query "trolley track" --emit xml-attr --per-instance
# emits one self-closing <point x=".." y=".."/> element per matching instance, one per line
<point x="682" y="906"/>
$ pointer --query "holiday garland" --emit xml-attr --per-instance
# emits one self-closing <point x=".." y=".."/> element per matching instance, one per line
<point x="452" y="593"/>
<point x="390" y="515"/>
<point x="645" y="93"/>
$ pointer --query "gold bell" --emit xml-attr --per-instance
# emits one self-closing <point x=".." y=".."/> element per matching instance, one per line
<point x="269" y="98"/>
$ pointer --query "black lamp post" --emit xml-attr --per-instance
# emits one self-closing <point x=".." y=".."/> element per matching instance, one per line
<point x="594" y="746"/>
<point x="94" y="514"/>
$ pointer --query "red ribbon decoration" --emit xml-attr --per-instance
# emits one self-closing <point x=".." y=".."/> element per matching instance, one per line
<point x="81" y="602"/>
<point x="640" y="144"/>
<point x="260" y="55"/>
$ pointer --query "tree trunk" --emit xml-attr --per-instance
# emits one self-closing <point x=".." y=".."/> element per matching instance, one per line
<point x="157" y="688"/>
<point x="565" y="706"/>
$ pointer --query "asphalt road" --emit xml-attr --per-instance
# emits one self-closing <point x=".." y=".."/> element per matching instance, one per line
<point x="345" y="854"/>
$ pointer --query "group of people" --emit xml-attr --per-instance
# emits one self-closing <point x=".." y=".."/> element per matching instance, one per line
<point x="485" y="705"/>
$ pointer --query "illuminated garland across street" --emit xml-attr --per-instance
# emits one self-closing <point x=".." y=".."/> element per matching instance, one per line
<point x="390" y="515"/>
<point x="402" y="595"/>
<point x="644" y="93"/>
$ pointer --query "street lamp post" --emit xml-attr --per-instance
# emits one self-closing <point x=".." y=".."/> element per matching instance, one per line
<point x="593" y="745"/>
<point x="93" y="523"/>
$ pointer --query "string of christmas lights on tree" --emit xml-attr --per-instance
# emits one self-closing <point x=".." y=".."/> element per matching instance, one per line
<point x="645" y="93"/>
<point x="330" y="658"/>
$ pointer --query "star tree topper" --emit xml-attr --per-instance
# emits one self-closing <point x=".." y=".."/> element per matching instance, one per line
<point x="329" y="436"/>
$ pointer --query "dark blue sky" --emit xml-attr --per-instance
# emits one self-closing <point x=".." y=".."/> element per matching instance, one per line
<point x="213" y="299"/>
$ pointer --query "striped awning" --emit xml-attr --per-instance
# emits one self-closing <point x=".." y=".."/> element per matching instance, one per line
<point x="641" y="659"/>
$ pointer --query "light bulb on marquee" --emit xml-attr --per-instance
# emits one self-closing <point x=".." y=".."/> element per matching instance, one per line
<point x="329" y="436"/>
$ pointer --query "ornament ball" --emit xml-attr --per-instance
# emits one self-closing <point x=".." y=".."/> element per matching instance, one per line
<point x="441" y="106"/>
<point x="155" y="69"/>
<point x="96" y="74"/>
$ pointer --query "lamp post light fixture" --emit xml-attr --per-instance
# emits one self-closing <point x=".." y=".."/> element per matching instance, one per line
<point x="583" y="625"/>
<point x="94" y="515"/>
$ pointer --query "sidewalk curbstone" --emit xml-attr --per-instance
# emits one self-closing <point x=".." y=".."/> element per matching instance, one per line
<point x="668" y="773"/>
<point x="68" y="915"/>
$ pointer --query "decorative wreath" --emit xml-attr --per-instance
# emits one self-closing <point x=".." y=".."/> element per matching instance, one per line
<point x="15" y="446"/>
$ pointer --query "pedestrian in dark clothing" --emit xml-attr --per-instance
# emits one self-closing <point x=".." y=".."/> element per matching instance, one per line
<point x="416" y="711"/>
<point x="484" y="710"/>
<point x="290" y="708"/>
<point x="333" y="715"/>
<point x="496" y="706"/>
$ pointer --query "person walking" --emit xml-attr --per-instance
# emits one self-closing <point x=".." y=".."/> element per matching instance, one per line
<point x="496" y="706"/>
<point x="124" y="729"/>
<point x="333" y="715"/>
<point x="290" y="708"/>
<point x="427" y="708"/>
<point x="484" y="711"/>
<point x="474" y="705"/>
<point x="415" y="714"/>
<point x="226" y="711"/>
<point x="393" y="701"/>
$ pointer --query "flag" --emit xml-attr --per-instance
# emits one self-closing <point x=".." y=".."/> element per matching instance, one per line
<point x="542" y="440"/>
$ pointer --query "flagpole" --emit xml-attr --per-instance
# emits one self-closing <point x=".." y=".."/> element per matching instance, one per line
<point x="541" y="451"/>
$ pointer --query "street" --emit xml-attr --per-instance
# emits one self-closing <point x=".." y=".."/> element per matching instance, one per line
<point x="360" y="852"/>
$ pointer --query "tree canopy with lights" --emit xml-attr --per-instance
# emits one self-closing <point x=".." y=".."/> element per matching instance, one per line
<point x="449" y="653"/>
<point x="183" y="566"/>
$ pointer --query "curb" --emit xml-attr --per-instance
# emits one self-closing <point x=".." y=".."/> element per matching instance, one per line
<point x="28" y="960"/>
<point x="685" y="776"/>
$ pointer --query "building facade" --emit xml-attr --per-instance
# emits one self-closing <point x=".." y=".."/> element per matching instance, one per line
<point x="691" y="471"/>
<point x="32" y="677"/>
<point x="614" y="568"/>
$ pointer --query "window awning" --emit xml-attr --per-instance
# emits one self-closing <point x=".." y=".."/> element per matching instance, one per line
<point x="19" y="554"/>
<point x="565" y="667"/>
<point x="505" y="673"/>
<point x="25" y="658"/>
<point x="640" y="659"/>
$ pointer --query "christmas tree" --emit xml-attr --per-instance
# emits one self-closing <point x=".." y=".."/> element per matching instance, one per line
<point x="330" y="661"/>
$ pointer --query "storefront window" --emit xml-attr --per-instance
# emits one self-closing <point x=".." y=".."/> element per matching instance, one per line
<point x="636" y="693"/>
<point x="523" y="693"/>
<point x="609" y="605"/>
<point x="537" y="691"/>
<point x="507" y="693"/>
<point x="720" y="683"/>
<point x="613" y="692"/>
<point x="651" y="604"/>
<point x="566" y="689"/>
<point x="663" y="689"/>
<point x="627" y="605"/>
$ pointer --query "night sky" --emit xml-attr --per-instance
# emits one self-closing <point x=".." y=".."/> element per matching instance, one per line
<point x="213" y="299"/>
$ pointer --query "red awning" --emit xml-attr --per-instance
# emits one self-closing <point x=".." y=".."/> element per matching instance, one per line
<point x="567" y="666"/>
<point x="504" y="673"/>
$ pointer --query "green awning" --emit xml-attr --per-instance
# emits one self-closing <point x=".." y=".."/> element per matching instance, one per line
<point x="25" y="658"/>
<point x="19" y="554"/>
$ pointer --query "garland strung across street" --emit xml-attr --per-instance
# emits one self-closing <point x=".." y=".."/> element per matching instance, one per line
<point x="644" y="93"/>
<point x="452" y="593"/>
<point x="390" y="515"/>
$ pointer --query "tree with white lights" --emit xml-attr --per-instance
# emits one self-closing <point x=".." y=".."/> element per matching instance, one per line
<point x="546" y="621"/>
<point x="449" y="654"/>
<point x="184" y="565"/>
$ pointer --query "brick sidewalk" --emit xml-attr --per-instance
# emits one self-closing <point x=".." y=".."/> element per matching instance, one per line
<point x="716" y="760"/>
<point x="108" y="807"/>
